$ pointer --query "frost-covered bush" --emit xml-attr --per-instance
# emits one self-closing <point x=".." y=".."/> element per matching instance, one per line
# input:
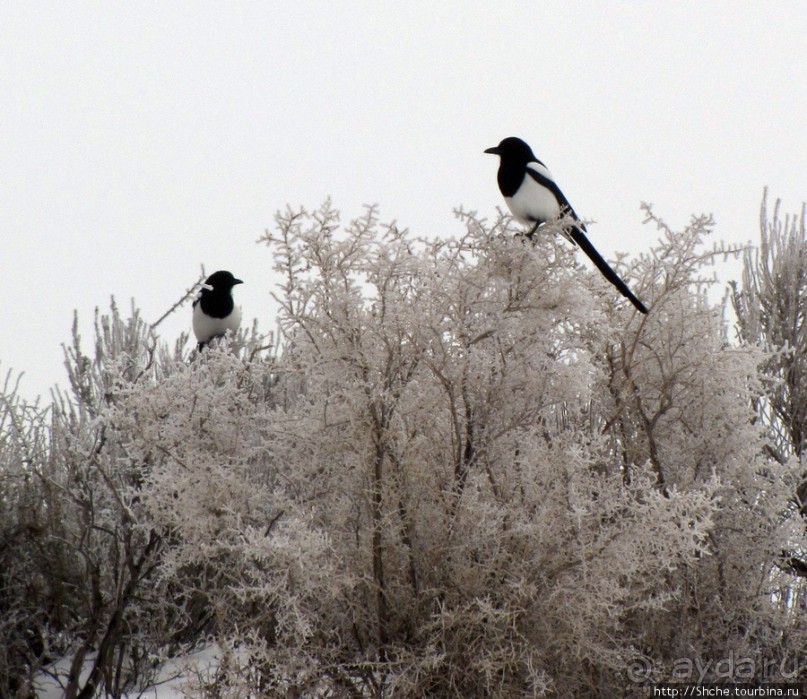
<point x="24" y="520"/>
<point x="467" y="469"/>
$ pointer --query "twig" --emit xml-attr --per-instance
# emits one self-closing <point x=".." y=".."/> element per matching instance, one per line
<point x="188" y="293"/>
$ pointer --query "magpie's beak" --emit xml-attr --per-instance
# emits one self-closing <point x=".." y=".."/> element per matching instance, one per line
<point x="237" y="281"/>
<point x="494" y="151"/>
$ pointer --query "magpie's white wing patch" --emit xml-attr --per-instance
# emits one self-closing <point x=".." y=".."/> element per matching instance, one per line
<point x="541" y="169"/>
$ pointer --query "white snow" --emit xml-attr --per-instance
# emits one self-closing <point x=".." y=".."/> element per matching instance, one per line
<point x="170" y="682"/>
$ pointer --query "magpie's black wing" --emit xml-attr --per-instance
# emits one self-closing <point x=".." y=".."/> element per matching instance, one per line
<point x="578" y="235"/>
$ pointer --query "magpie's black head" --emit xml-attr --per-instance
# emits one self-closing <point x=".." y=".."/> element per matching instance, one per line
<point x="513" y="149"/>
<point x="222" y="281"/>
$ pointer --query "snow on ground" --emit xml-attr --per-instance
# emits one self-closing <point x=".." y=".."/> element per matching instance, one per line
<point x="173" y="676"/>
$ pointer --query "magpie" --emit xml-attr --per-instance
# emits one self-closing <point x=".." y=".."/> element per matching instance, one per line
<point x="534" y="198"/>
<point x="214" y="312"/>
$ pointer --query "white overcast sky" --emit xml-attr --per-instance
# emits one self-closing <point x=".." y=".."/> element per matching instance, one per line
<point x="140" y="140"/>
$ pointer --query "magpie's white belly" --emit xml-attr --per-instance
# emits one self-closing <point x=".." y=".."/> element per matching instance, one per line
<point x="205" y="327"/>
<point x="533" y="202"/>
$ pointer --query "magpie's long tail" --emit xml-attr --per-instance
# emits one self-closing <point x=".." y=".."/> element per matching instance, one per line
<point x="580" y="238"/>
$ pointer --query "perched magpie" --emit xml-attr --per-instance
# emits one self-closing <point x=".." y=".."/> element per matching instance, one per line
<point x="214" y="312"/>
<point x="534" y="198"/>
